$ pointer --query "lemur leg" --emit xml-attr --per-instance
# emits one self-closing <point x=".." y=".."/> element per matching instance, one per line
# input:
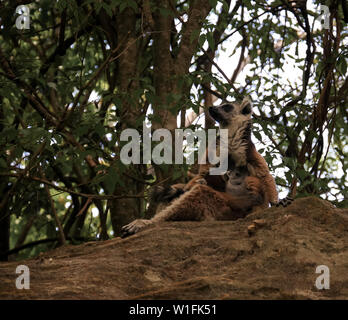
<point x="256" y="193"/>
<point x="259" y="168"/>
<point x="199" y="203"/>
<point x="169" y="193"/>
<point x="254" y="185"/>
<point x="204" y="203"/>
<point x="271" y="189"/>
<point x="191" y="206"/>
<point x="166" y="193"/>
<point x="240" y="206"/>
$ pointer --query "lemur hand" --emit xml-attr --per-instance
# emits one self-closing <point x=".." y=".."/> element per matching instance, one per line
<point x="134" y="227"/>
<point x="201" y="181"/>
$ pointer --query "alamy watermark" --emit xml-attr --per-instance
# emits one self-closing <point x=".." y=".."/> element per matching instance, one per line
<point x="323" y="281"/>
<point x="325" y="16"/>
<point x="216" y="153"/>
<point x="23" y="20"/>
<point x="23" y="280"/>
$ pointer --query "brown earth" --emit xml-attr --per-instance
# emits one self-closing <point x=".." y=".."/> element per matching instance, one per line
<point x="201" y="260"/>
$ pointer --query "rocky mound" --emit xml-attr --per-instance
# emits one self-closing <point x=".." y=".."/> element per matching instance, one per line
<point x="275" y="258"/>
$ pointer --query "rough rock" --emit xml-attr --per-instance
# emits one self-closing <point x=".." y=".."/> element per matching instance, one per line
<point x="201" y="260"/>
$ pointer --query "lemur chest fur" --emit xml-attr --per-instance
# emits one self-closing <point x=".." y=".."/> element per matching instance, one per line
<point x="237" y="148"/>
<point x="237" y="144"/>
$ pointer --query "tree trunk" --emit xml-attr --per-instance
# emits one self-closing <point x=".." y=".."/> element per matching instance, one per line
<point x="124" y="210"/>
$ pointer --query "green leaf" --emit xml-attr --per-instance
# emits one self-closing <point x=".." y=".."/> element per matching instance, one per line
<point x="194" y="35"/>
<point x="110" y="180"/>
<point x="52" y="85"/>
<point x="211" y="41"/>
<point x="342" y="65"/>
<point x="3" y="163"/>
<point x="302" y="174"/>
<point x="213" y="3"/>
<point x="100" y="130"/>
<point x="132" y="4"/>
<point x="224" y="5"/>
<point x="257" y="135"/>
<point x="107" y="9"/>
<point x="202" y="39"/>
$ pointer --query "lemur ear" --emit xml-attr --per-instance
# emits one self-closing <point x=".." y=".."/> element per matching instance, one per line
<point x="246" y="106"/>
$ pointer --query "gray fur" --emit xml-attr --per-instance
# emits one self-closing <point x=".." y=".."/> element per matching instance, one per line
<point x="237" y="119"/>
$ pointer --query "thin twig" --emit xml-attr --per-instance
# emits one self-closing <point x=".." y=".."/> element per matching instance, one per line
<point x="89" y="200"/>
<point x="85" y="195"/>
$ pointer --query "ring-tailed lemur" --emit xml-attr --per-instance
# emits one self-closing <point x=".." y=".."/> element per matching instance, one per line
<point x="212" y="200"/>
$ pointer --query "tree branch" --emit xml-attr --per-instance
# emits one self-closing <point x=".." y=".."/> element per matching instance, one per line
<point x="198" y="12"/>
<point x="85" y="195"/>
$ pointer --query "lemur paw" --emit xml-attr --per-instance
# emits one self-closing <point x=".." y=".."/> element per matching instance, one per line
<point x="283" y="202"/>
<point x="134" y="227"/>
<point x="201" y="181"/>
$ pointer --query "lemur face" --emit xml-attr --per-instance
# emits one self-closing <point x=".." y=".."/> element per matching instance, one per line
<point x="226" y="113"/>
<point x="236" y="176"/>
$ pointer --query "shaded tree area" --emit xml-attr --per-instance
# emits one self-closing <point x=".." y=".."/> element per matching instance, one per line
<point x="86" y="70"/>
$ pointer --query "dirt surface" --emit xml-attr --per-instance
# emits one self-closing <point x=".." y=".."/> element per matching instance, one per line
<point x="277" y="259"/>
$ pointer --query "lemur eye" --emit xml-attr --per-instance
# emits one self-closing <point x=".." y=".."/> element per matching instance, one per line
<point x="227" y="107"/>
<point x="247" y="109"/>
